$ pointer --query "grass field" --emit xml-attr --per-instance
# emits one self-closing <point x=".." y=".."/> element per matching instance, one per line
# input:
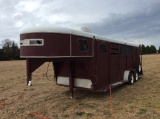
<point x="46" y="100"/>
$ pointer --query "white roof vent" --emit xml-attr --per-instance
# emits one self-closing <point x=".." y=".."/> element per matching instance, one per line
<point x="86" y="29"/>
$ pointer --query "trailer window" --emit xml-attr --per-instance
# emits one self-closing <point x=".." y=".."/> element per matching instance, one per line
<point x="35" y="42"/>
<point x="126" y="50"/>
<point x="123" y="50"/>
<point x="83" y="45"/>
<point x="130" y="50"/>
<point x="103" y="48"/>
<point x="32" y="42"/>
<point x="114" y="49"/>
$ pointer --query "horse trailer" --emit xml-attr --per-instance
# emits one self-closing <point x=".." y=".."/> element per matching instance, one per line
<point x="80" y="59"/>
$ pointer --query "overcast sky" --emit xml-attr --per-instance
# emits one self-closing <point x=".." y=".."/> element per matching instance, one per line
<point x="129" y="20"/>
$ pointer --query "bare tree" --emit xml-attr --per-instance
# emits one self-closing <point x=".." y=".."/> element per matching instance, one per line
<point x="9" y="50"/>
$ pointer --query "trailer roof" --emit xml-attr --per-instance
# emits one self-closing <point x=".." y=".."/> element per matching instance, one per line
<point x="63" y="30"/>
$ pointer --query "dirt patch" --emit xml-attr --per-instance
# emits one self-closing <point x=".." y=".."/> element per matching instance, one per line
<point x="46" y="100"/>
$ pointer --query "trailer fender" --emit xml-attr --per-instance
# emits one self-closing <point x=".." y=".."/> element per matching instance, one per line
<point x="130" y="76"/>
<point x="126" y="76"/>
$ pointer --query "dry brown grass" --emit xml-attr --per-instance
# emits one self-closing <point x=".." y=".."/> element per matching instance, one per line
<point x="47" y="100"/>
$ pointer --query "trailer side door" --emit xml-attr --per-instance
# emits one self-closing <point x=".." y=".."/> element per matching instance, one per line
<point x="102" y="64"/>
<point x="114" y="65"/>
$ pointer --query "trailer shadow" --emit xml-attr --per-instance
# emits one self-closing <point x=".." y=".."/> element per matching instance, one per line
<point x="80" y="94"/>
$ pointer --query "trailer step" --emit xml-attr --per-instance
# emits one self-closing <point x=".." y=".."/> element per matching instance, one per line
<point x="116" y="84"/>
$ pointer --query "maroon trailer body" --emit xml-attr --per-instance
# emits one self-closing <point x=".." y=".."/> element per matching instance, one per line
<point x="81" y="59"/>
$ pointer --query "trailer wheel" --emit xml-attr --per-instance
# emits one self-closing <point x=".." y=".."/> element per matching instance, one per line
<point x="136" y="77"/>
<point x="139" y="68"/>
<point x="131" y="79"/>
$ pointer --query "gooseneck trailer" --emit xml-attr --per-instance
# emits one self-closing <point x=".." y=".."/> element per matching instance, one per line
<point x="81" y="59"/>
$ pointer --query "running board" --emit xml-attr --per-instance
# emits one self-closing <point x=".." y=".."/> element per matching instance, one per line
<point x="116" y="84"/>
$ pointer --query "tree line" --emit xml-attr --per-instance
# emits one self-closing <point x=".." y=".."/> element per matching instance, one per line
<point x="9" y="50"/>
<point x="149" y="49"/>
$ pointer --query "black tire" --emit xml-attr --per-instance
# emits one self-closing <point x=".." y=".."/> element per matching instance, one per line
<point x="131" y="79"/>
<point x="136" y="76"/>
<point x="138" y="68"/>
